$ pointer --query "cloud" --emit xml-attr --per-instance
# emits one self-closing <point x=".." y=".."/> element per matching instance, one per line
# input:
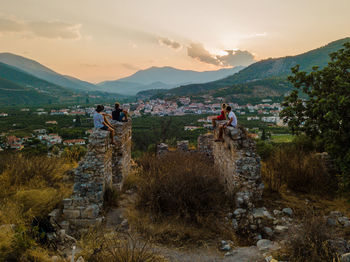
<point x="45" y="29"/>
<point x="197" y="51"/>
<point x="232" y="58"/>
<point x="170" y="43"/>
<point x="129" y="66"/>
<point x="236" y="58"/>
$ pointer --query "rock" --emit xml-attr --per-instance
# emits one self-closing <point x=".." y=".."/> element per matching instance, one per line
<point x="235" y="224"/>
<point x="280" y="229"/>
<point x="345" y="257"/>
<point x="264" y="244"/>
<point x="55" y="259"/>
<point x="261" y="213"/>
<point x="288" y="211"/>
<point x="268" y="231"/>
<point x="223" y="242"/>
<point x="277" y="212"/>
<point x="344" y="221"/>
<point x="228" y="254"/>
<point x="331" y="221"/>
<point x="239" y="211"/>
<point x="226" y="247"/>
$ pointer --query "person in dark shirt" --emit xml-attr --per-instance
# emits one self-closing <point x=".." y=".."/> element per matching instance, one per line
<point x="119" y="114"/>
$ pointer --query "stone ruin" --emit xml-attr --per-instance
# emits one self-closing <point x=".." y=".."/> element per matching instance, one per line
<point x="239" y="166"/>
<point x="103" y="167"/>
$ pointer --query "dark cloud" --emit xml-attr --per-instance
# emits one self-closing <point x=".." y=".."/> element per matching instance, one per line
<point x="197" y="51"/>
<point x="233" y="58"/>
<point x="170" y="43"/>
<point x="236" y="58"/>
<point x="46" y="29"/>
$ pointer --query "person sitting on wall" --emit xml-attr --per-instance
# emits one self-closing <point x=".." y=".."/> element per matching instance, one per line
<point x="119" y="114"/>
<point x="101" y="122"/>
<point x="232" y="122"/>
<point x="222" y="116"/>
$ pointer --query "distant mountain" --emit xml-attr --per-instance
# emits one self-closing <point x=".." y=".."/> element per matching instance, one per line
<point x="163" y="78"/>
<point x="15" y="94"/>
<point x="24" y="79"/>
<point x="268" y="75"/>
<point x="36" y="69"/>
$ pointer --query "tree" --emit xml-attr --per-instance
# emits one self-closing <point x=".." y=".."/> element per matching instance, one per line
<point x="319" y="106"/>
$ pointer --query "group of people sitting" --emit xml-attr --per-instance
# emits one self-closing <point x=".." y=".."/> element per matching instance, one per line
<point x="226" y="114"/>
<point x="101" y="119"/>
<point x="118" y="114"/>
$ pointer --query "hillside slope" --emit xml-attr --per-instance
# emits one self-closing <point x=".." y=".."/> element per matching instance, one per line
<point x="14" y="94"/>
<point x="277" y="68"/>
<point x="36" y="69"/>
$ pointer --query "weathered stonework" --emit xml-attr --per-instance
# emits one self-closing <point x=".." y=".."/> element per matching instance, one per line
<point x="104" y="166"/>
<point x="239" y="166"/>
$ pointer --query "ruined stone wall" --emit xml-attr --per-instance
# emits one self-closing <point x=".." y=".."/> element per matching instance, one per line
<point x="239" y="168"/>
<point x="104" y="166"/>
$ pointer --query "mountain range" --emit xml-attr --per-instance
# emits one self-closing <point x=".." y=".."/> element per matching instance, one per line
<point x="263" y="78"/>
<point x="163" y="78"/>
<point x="23" y="80"/>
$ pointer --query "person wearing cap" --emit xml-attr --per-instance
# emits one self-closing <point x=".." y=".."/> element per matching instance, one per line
<point x="119" y="114"/>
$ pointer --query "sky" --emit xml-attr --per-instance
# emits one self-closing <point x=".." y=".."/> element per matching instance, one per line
<point x="98" y="40"/>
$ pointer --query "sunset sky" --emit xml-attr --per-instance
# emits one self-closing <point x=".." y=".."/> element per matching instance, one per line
<point x="98" y="40"/>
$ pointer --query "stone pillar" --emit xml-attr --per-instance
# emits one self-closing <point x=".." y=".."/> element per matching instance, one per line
<point x="205" y="145"/>
<point x="122" y="152"/>
<point x="103" y="166"/>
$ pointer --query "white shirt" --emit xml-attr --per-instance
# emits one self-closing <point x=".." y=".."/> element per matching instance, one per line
<point x="234" y="121"/>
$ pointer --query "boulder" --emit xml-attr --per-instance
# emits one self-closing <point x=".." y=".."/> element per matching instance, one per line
<point x="288" y="211"/>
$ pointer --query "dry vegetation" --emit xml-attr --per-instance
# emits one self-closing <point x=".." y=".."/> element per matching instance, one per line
<point x="300" y="171"/>
<point x="99" y="245"/>
<point x="29" y="189"/>
<point x="180" y="200"/>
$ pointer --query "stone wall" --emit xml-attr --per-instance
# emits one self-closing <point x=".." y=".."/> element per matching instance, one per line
<point x="239" y="167"/>
<point x="103" y="167"/>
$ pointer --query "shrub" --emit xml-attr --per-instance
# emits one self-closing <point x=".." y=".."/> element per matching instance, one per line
<point x="98" y="245"/>
<point x="264" y="149"/>
<point x="39" y="202"/>
<point x="301" y="171"/>
<point x="309" y="242"/>
<point x="185" y="185"/>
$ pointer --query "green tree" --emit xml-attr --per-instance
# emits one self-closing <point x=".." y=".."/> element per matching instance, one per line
<point x="319" y="106"/>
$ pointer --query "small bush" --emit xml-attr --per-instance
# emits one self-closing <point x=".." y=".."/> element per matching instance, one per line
<point x="98" y="245"/>
<point x="264" y="149"/>
<point x="301" y="171"/>
<point x="309" y="242"/>
<point x="39" y="202"/>
<point x="184" y="185"/>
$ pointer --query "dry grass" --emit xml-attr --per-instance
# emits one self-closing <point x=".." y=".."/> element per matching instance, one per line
<point x="116" y="247"/>
<point x="30" y="187"/>
<point x="178" y="233"/>
<point x="309" y="242"/>
<point x="183" y="185"/>
<point x="300" y="171"/>
<point x="179" y="201"/>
